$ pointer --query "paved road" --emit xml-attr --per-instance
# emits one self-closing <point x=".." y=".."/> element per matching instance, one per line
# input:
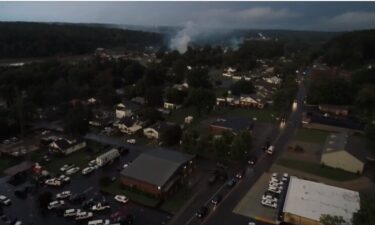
<point x="222" y="214"/>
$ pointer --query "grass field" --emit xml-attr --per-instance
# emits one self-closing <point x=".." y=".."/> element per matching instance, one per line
<point x="115" y="189"/>
<point x="311" y="135"/>
<point x="177" y="201"/>
<point x="316" y="169"/>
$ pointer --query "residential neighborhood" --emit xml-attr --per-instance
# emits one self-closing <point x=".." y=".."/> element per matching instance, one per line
<point x="107" y="123"/>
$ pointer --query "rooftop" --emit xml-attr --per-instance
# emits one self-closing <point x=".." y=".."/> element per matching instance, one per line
<point x="355" y="146"/>
<point x="312" y="200"/>
<point x="156" y="166"/>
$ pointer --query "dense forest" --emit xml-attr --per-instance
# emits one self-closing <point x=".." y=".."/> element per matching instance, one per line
<point x="21" y="39"/>
<point x="351" y="49"/>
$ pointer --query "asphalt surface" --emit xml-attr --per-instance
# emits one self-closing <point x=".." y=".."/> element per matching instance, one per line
<point x="27" y="211"/>
<point x="222" y="214"/>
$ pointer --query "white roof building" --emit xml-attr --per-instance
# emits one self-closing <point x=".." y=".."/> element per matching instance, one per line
<point x="306" y="201"/>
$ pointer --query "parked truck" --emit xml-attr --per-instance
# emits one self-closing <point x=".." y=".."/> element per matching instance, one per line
<point x="107" y="157"/>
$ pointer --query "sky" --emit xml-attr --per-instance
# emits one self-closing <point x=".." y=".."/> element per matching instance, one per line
<point x="326" y="16"/>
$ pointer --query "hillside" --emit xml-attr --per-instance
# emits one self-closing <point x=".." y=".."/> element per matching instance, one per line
<point x="351" y="49"/>
<point x="21" y="39"/>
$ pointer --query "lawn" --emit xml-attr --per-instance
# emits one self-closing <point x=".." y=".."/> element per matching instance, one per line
<point x="316" y="169"/>
<point x="311" y="135"/>
<point x="115" y="189"/>
<point x="263" y="115"/>
<point x="80" y="158"/>
<point x="6" y="162"/>
<point x="174" y="203"/>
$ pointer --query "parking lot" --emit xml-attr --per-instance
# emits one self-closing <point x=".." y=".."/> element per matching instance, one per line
<point x="28" y="210"/>
<point x="250" y="205"/>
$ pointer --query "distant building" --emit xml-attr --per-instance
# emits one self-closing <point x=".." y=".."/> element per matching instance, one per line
<point x="125" y="108"/>
<point x="128" y="125"/>
<point x="66" y="146"/>
<point x="344" y="152"/>
<point x="158" y="172"/>
<point x="157" y="129"/>
<point x="306" y="201"/>
<point x="236" y="125"/>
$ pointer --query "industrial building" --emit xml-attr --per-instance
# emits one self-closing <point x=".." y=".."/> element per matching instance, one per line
<point x="158" y="172"/>
<point x="306" y="201"/>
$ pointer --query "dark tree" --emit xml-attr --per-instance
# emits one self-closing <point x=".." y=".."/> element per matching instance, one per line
<point x="154" y="97"/>
<point x="171" y="136"/>
<point x="242" y="87"/>
<point x="201" y="99"/>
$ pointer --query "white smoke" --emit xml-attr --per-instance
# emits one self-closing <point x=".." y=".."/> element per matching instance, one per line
<point x="181" y="41"/>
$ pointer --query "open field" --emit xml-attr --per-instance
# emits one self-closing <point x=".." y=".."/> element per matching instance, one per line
<point x="311" y="135"/>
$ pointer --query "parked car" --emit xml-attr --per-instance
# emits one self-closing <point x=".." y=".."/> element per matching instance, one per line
<point x="131" y="141"/>
<point x="231" y="182"/>
<point x="88" y="170"/>
<point x="55" y="204"/>
<point x="71" y="212"/>
<point x="72" y="171"/>
<point x="269" y="203"/>
<point x="216" y="200"/>
<point x="5" y="200"/>
<point x="202" y="212"/>
<point x="63" y="195"/>
<point x="92" y="163"/>
<point x="285" y="177"/>
<point x="98" y="222"/>
<point x="123" y="150"/>
<point x="121" y="198"/>
<point x="83" y="215"/>
<point x="270" y="150"/>
<point x="240" y="174"/>
<point x="66" y="167"/>
<point x="252" y="160"/>
<point x="53" y="182"/>
<point x="100" y="207"/>
<point x="64" y="179"/>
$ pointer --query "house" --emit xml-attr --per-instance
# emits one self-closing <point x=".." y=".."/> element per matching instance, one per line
<point x="100" y="119"/>
<point x="234" y="124"/>
<point x="91" y="101"/>
<point x="337" y="110"/>
<point x="306" y="201"/>
<point x="66" y="146"/>
<point x="252" y="100"/>
<point x="182" y="86"/>
<point x="188" y="119"/>
<point x="125" y="108"/>
<point x="171" y="106"/>
<point x="158" y="172"/>
<point x="273" y="80"/>
<point x="157" y="129"/>
<point x="344" y="152"/>
<point x="128" y="125"/>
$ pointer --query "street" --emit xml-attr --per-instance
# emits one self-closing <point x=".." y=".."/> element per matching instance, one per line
<point x="223" y="214"/>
